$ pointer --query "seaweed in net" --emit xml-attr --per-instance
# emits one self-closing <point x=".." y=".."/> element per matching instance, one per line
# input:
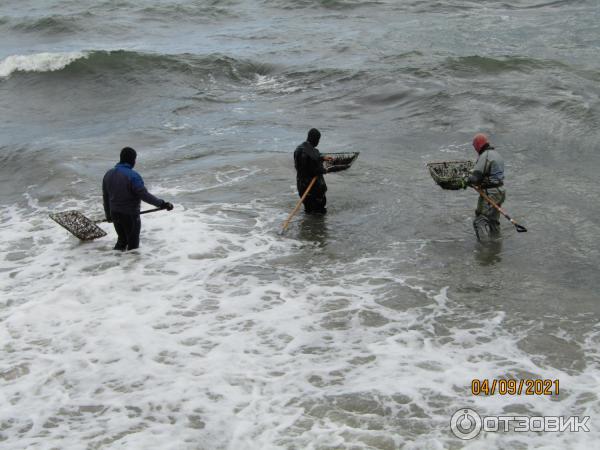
<point x="450" y="174"/>
<point x="77" y="224"/>
<point x="341" y="161"/>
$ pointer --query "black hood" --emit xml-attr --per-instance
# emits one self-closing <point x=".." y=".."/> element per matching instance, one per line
<point x="128" y="156"/>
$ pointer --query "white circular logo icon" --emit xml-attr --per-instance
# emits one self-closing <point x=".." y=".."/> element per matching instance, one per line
<point x="465" y="424"/>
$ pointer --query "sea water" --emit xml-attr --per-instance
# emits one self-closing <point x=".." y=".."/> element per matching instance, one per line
<point x="363" y="329"/>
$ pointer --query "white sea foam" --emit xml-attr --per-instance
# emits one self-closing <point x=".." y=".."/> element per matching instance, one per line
<point x="38" y="62"/>
<point x="215" y="335"/>
<point x="215" y="179"/>
<point x="175" y="127"/>
<point x="272" y="84"/>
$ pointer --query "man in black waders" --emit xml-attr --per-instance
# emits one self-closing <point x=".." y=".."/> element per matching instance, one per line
<point x="488" y="175"/>
<point x="122" y="191"/>
<point x="309" y="164"/>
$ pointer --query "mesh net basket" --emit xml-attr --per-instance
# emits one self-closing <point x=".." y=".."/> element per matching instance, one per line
<point x="79" y="225"/>
<point x="450" y="174"/>
<point x="339" y="160"/>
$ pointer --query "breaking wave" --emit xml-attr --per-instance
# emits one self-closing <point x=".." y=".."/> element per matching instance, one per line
<point x="126" y="62"/>
<point x="38" y="62"/>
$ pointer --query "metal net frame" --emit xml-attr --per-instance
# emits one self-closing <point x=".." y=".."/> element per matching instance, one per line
<point x="339" y="160"/>
<point x="77" y="224"/>
<point x="450" y="175"/>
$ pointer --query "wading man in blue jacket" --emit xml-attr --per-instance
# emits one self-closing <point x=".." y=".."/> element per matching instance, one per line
<point x="122" y="191"/>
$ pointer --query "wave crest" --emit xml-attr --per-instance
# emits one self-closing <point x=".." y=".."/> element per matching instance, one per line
<point x="38" y="62"/>
<point x="118" y="62"/>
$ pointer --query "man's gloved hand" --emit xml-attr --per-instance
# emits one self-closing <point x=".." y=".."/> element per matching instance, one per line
<point x="466" y="182"/>
<point x="168" y="206"/>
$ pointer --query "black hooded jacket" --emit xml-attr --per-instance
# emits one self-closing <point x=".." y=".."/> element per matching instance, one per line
<point x="309" y="164"/>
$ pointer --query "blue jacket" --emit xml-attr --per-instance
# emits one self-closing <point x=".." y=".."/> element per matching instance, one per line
<point x="123" y="189"/>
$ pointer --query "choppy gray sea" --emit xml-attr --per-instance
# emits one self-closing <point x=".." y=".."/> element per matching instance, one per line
<point x="360" y="330"/>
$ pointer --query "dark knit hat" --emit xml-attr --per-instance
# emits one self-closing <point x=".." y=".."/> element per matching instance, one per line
<point x="128" y="156"/>
<point x="313" y="137"/>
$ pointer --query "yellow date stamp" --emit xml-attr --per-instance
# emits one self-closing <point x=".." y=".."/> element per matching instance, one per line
<point x="501" y="386"/>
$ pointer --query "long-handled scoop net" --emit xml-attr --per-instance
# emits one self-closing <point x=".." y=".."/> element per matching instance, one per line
<point x="332" y="162"/>
<point x="519" y="228"/>
<point x="450" y="175"/>
<point x="339" y="161"/>
<point x="82" y="227"/>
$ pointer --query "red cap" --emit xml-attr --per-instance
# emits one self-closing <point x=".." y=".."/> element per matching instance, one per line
<point x="479" y="142"/>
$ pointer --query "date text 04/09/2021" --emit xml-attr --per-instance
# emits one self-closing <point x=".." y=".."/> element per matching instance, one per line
<point x="515" y="387"/>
